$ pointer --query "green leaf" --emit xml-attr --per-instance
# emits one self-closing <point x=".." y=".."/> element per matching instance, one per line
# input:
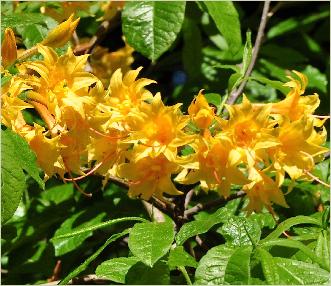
<point x="247" y="56"/>
<point x="65" y="245"/>
<point x="5" y="79"/>
<point x="58" y="194"/>
<point x="273" y="83"/>
<point x="19" y="20"/>
<point x="322" y="170"/>
<point x="263" y="219"/>
<point x="299" y="273"/>
<point x="239" y="231"/>
<point x="202" y="225"/>
<point x="224" y="265"/>
<point x="214" y="98"/>
<point x="33" y="34"/>
<point x="286" y="224"/>
<point x="141" y="274"/>
<point x="296" y="244"/>
<point x="97" y="226"/>
<point x="116" y="269"/>
<point x="86" y="263"/>
<point x="268" y="266"/>
<point x="292" y="24"/>
<point x="191" y="53"/>
<point x="227" y="21"/>
<point x="151" y="27"/>
<point x="16" y="157"/>
<point x="316" y="79"/>
<point x="322" y="249"/>
<point x="179" y="257"/>
<point x="150" y="241"/>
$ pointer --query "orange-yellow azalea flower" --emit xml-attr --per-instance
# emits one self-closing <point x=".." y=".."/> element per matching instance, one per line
<point x="150" y="176"/>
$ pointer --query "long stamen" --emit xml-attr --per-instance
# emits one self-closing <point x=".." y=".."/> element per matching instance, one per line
<point x="316" y="179"/>
<point x="217" y="177"/>
<point x="107" y="136"/>
<point x="96" y="167"/>
<point x="75" y="184"/>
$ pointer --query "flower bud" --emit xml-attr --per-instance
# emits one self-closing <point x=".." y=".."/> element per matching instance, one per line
<point x="59" y="36"/>
<point x="201" y="112"/>
<point x="8" y="48"/>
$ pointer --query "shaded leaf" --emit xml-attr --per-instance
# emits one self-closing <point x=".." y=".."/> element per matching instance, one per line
<point x="141" y="274"/>
<point x="268" y="266"/>
<point x="86" y="263"/>
<point x="227" y="21"/>
<point x="202" y="225"/>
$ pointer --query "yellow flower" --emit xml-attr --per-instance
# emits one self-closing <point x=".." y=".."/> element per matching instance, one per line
<point x="263" y="191"/>
<point x="67" y="8"/>
<point x="217" y="166"/>
<point x="294" y="106"/>
<point x="200" y="111"/>
<point x="105" y="63"/>
<point x="159" y="128"/>
<point x="8" y="48"/>
<point x="63" y="83"/>
<point x="61" y="34"/>
<point x="251" y="130"/>
<point x="150" y="176"/>
<point x="47" y="151"/>
<point x="299" y="148"/>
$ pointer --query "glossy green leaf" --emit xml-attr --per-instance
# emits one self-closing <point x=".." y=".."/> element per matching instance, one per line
<point x="150" y="27"/>
<point x="201" y="226"/>
<point x="224" y="265"/>
<point x="239" y="231"/>
<point x="116" y="269"/>
<point x="86" y="263"/>
<point x="227" y="21"/>
<point x="268" y="266"/>
<point x="322" y="249"/>
<point x="296" y="272"/>
<point x="150" y="241"/>
<point x="296" y="244"/>
<point x="286" y="224"/>
<point x="33" y="34"/>
<point x="16" y="157"/>
<point x="179" y="257"/>
<point x="20" y="20"/>
<point x="141" y="274"/>
<point x="96" y="226"/>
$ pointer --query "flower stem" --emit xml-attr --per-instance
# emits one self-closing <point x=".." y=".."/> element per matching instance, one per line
<point x="186" y="276"/>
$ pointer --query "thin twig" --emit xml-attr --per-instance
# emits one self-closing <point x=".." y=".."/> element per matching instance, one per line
<point x="188" y="198"/>
<point x="221" y="201"/>
<point x="234" y="94"/>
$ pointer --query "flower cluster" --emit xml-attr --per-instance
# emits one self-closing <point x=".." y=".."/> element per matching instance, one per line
<point x="124" y="130"/>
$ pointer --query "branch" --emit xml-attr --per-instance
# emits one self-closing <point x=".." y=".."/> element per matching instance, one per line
<point x="235" y="93"/>
<point x="221" y="201"/>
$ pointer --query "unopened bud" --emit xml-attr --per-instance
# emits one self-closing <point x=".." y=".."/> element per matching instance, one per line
<point x="59" y="36"/>
<point x="8" y="48"/>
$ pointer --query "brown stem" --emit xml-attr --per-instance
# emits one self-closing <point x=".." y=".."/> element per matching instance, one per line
<point x="221" y="201"/>
<point x="235" y="93"/>
<point x="188" y="198"/>
<point x="28" y="53"/>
